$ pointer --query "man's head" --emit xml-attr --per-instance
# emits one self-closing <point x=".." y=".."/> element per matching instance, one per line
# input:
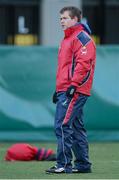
<point x="69" y="16"/>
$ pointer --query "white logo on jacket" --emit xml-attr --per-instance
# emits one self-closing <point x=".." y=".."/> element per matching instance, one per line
<point x="83" y="50"/>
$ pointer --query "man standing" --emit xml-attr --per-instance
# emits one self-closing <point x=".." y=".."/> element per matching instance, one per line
<point x="76" y="63"/>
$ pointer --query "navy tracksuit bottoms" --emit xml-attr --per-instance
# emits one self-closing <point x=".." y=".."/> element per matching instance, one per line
<point x="70" y="132"/>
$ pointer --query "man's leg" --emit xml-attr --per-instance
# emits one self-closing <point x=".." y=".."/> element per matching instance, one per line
<point x="63" y="133"/>
<point x="80" y="143"/>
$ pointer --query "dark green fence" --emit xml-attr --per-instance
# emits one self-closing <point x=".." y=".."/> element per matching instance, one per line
<point x="27" y="81"/>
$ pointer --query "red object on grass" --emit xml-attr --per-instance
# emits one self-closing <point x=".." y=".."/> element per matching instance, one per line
<point x="27" y="152"/>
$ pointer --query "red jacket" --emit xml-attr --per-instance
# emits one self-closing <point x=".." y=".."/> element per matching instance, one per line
<point x="76" y="60"/>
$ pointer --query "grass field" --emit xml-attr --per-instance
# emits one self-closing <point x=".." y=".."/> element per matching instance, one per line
<point x="104" y="157"/>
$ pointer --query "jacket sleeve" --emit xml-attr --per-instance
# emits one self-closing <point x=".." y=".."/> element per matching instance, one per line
<point x="83" y="53"/>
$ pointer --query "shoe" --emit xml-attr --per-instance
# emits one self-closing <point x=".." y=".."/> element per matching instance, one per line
<point x="55" y="169"/>
<point x="75" y="170"/>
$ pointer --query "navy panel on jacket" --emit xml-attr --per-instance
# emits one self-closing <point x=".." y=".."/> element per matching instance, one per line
<point x="83" y="38"/>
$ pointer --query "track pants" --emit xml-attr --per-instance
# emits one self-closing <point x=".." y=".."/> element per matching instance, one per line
<point x="70" y="132"/>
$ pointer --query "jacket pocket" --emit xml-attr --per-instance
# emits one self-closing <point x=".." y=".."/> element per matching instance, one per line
<point x="69" y="77"/>
<point x="85" y="78"/>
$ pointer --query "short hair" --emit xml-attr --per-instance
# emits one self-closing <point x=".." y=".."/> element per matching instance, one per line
<point x="73" y="11"/>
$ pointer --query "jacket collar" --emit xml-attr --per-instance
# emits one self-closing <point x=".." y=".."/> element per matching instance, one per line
<point x="68" y="32"/>
<point x="77" y="28"/>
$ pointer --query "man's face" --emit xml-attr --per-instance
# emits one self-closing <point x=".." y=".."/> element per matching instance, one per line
<point x="66" y="21"/>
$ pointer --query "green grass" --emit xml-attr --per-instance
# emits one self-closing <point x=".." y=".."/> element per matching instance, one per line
<point x="104" y="158"/>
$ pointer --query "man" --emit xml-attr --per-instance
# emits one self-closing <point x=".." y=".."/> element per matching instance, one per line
<point x="76" y="62"/>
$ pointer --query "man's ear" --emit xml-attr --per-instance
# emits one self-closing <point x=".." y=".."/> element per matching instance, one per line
<point x="75" y="19"/>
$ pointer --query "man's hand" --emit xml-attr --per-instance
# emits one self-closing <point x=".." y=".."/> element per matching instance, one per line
<point x="54" y="98"/>
<point x="70" y="91"/>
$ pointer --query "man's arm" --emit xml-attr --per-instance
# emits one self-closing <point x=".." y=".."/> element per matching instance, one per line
<point x="83" y="54"/>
